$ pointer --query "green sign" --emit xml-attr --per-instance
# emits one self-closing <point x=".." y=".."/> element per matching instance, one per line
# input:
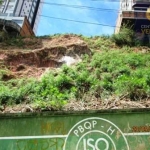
<point x="90" y="130"/>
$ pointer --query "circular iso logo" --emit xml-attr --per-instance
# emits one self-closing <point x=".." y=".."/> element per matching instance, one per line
<point x="95" y="134"/>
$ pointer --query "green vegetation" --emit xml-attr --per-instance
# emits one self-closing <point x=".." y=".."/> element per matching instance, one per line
<point x="125" y="36"/>
<point x="110" y="71"/>
<point x="16" y="41"/>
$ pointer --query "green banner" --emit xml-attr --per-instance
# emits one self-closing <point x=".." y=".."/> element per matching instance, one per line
<point x="88" y="130"/>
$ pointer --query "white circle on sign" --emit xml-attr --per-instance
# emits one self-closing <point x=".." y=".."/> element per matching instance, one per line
<point x="98" y="124"/>
<point x="96" y="131"/>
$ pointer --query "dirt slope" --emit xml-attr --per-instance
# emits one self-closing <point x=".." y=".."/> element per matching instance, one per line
<point x="39" y="54"/>
<point x="36" y="55"/>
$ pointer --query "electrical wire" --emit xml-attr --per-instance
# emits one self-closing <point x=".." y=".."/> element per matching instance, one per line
<point x="86" y="7"/>
<point x="78" y="21"/>
<point x="92" y="8"/>
<point x="115" y="1"/>
<point x="109" y="1"/>
<point x="80" y="7"/>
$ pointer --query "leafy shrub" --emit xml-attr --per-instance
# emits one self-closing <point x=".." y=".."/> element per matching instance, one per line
<point x="124" y="37"/>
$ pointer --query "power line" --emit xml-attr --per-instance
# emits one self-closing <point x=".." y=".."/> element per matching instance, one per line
<point x="112" y="1"/>
<point x="78" y="21"/>
<point x="80" y="7"/>
<point x="88" y="7"/>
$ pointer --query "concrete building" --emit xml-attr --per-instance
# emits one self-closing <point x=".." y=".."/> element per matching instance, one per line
<point x="136" y="14"/>
<point x="22" y="12"/>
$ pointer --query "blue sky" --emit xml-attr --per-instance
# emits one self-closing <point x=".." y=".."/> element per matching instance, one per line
<point x="49" y="26"/>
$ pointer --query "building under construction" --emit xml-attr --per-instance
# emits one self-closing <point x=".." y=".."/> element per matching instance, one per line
<point x="136" y="14"/>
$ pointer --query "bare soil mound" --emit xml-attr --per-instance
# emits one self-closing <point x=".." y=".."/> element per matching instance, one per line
<point x="35" y="60"/>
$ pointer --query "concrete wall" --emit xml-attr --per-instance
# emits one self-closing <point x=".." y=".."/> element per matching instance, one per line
<point x="88" y="130"/>
<point x="18" y="20"/>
